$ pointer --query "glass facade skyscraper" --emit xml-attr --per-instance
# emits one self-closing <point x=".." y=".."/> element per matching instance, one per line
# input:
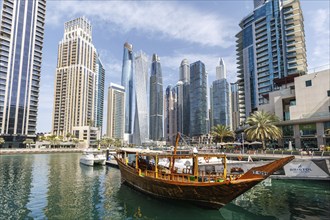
<point x="156" y="100"/>
<point x="221" y="103"/>
<point x="270" y="51"/>
<point x="220" y="98"/>
<point x="127" y="82"/>
<point x="198" y="99"/>
<point x="141" y="120"/>
<point x="170" y="114"/>
<point x="22" y="35"/>
<point x="99" y="100"/>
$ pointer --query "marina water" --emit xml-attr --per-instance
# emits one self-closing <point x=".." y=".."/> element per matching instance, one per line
<point x="56" y="186"/>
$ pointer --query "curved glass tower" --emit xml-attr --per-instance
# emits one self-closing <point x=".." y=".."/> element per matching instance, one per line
<point x="127" y="83"/>
<point x="141" y="131"/>
<point x="156" y="100"/>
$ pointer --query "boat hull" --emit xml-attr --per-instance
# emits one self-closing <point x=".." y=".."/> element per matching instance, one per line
<point x="210" y="195"/>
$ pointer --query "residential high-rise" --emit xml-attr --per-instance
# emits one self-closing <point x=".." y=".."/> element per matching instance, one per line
<point x="116" y="111"/>
<point x="220" y="98"/>
<point x="156" y="100"/>
<point x="198" y="99"/>
<point x="234" y="105"/>
<point x="127" y="82"/>
<point x="75" y="80"/>
<point x="21" y="42"/>
<point x="99" y="99"/>
<point x="170" y="114"/>
<point x="141" y="120"/>
<point x="271" y="51"/>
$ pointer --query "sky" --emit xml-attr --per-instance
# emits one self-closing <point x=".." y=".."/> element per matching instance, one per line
<point x="195" y="30"/>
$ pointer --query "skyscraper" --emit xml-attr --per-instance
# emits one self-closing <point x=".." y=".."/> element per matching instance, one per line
<point x="170" y="114"/>
<point x="198" y="99"/>
<point x="127" y="82"/>
<point x="156" y="100"/>
<point x="99" y="99"/>
<point x="234" y="105"/>
<point x="75" y="80"/>
<point x="182" y="95"/>
<point x="270" y="51"/>
<point x="116" y="111"/>
<point x="141" y="120"/>
<point x="21" y="42"/>
<point x="184" y="71"/>
<point x="220" y="101"/>
<point x="221" y="71"/>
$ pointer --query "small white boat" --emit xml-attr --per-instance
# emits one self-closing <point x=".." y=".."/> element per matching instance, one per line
<point x="93" y="157"/>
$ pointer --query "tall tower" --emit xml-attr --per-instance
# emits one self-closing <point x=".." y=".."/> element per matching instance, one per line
<point x="141" y="120"/>
<point x="271" y="51"/>
<point x="220" y="98"/>
<point x="99" y="99"/>
<point x="170" y="114"/>
<point x="184" y="71"/>
<point x="21" y="42"/>
<point x="75" y="80"/>
<point x="116" y="111"/>
<point x="221" y="72"/>
<point x="198" y="99"/>
<point x="127" y="82"/>
<point x="234" y="105"/>
<point x="156" y="100"/>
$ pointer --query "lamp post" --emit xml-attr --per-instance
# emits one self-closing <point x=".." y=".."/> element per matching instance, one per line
<point x="243" y="141"/>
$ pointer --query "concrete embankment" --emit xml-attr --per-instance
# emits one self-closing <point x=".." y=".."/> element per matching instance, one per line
<point x="40" y="151"/>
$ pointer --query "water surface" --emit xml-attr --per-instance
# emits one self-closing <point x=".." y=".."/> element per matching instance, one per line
<point x="56" y="186"/>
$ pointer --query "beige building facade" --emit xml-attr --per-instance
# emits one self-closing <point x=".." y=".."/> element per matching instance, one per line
<point x="116" y="112"/>
<point x="75" y="80"/>
<point x="303" y="108"/>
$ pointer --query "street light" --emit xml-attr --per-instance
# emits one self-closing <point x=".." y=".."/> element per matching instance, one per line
<point x="243" y="141"/>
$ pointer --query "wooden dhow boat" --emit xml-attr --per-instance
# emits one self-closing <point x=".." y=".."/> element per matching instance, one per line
<point x="140" y="170"/>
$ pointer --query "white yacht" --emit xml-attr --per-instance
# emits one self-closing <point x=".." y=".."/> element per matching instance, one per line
<point x="93" y="157"/>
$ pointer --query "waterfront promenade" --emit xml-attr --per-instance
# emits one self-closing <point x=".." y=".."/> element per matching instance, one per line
<point x="39" y="150"/>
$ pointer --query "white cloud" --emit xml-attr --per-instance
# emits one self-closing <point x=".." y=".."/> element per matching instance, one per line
<point x="320" y="45"/>
<point x="168" y="20"/>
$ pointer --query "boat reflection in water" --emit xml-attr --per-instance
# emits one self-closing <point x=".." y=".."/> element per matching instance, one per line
<point x="137" y="205"/>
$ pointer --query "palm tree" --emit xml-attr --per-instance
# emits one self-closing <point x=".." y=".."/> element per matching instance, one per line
<point x="2" y="141"/>
<point x="117" y="142"/>
<point x="262" y="127"/>
<point x="107" y="141"/>
<point x="28" y="142"/>
<point x="75" y="141"/>
<point x="221" y="131"/>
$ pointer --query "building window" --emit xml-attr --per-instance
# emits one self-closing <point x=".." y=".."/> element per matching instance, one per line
<point x="328" y="92"/>
<point x="308" y="83"/>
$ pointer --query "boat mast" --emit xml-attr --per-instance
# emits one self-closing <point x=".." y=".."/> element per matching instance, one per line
<point x="175" y="148"/>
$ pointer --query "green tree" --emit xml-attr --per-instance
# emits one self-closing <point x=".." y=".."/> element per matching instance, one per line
<point x="75" y="141"/>
<point x="117" y="142"/>
<point x="68" y="136"/>
<point x="28" y="142"/>
<point x="219" y="132"/>
<point x="107" y="141"/>
<point x="2" y="141"/>
<point x="262" y="127"/>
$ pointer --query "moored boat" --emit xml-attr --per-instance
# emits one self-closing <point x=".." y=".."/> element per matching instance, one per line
<point x="140" y="169"/>
<point x="92" y="157"/>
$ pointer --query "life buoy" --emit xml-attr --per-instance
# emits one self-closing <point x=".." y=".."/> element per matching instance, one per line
<point x="239" y="158"/>
<point x="206" y="159"/>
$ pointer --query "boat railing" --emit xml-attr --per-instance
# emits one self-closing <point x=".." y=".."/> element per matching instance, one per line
<point x="187" y="177"/>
